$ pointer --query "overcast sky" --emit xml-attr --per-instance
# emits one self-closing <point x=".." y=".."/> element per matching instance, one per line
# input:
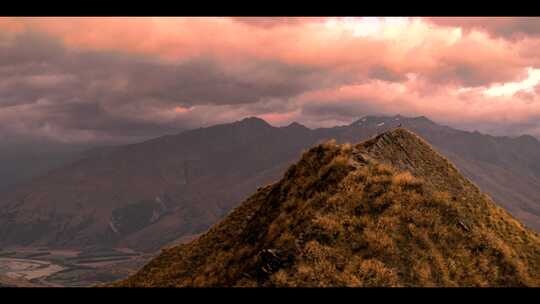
<point x="124" y="79"/>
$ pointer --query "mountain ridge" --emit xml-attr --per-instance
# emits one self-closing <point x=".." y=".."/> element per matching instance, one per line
<point x="178" y="185"/>
<point x="389" y="211"/>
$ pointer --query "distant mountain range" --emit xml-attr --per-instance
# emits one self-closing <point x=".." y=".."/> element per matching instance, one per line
<point x="157" y="192"/>
<point x="387" y="212"/>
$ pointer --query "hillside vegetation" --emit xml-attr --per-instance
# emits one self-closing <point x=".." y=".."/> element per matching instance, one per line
<point x="145" y="196"/>
<point x="386" y="212"/>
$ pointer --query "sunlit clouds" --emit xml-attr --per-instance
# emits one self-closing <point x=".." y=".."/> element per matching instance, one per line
<point x="129" y="78"/>
<point x="510" y="88"/>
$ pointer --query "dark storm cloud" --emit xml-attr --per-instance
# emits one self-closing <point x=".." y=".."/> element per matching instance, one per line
<point x="383" y="73"/>
<point x="505" y="27"/>
<point x="43" y="84"/>
<point x="344" y="110"/>
<point x="28" y="48"/>
<point x="71" y="85"/>
<point x="468" y="74"/>
<point x="204" y="82"/>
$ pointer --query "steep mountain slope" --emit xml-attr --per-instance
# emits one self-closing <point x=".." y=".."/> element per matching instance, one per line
<point x="507" y="168"/>
<point x="172" y="186"/>
<point x="147" y="195"/>
<point x="387" y="212"/>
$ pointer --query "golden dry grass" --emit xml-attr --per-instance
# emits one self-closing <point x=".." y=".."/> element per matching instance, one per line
<point x="403" y="217"/>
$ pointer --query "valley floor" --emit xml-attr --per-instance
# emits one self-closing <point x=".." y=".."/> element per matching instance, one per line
<point x="46" y="267"/>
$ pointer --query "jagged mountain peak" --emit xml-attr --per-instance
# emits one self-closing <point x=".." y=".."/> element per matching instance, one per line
<point x="389" y="211"/>
<point x="209" y="170"/>
<point x="254" y="121"/>
<point x="296" y="125"/>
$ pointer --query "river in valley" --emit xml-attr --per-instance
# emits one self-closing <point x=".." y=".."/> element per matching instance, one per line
<point x="28" y="269"/>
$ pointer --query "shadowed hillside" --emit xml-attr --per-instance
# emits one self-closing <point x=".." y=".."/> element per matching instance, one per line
<point x="387" y="212"/>
<point x="170" y="187"/>
<point x="162" y="191"/>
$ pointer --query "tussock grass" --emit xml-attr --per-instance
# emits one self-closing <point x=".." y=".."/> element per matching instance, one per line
<point x="405" y="217"/>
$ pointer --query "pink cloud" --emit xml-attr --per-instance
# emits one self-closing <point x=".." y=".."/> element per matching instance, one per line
<point x="446" y="105"/>
<point x="279" y="119"/>
<point x="433" y="52"/>
<point x="435" y="67"/>
<point x="270" y="22"/>
<point x="505" y="27"/>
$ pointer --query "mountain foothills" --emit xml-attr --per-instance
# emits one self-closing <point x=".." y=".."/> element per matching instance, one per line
<point x="163" y="191"/>
<point x="389" y="211"/>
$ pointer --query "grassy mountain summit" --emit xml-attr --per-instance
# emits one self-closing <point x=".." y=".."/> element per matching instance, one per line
<point x="389" y="211"/>
<point x="162" y="191"/>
